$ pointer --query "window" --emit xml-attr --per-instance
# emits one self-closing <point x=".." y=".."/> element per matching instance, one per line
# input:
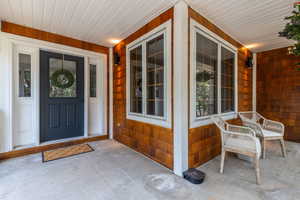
<point x="64" y="70"/>
<point x="227" y="80"/>
<point x="213" y="76"/>
<point x="206" y="79"/>
<point x="155" y="76"/>
<point x="148" y="90"/>
<point x="93" y="80"/>
<point x="136" y="80"/>
<point x="24" y="75"/>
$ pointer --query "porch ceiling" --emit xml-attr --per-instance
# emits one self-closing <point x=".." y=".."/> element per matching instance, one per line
<point x="98" y="21"/>
<point x="254" y="23"/>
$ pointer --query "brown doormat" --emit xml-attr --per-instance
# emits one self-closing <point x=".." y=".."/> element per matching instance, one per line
<point x="66" y="152"/>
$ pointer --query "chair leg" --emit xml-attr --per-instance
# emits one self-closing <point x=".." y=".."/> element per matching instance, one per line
<point x="257" y="170"/>
<point x="223" y="154"/>
<point x="263" y="148"/>
<point x="283" y="147"/>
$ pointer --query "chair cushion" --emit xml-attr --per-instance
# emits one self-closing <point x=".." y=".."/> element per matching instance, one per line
<point x="269" y="133"/>
<point x="237" y="143"/>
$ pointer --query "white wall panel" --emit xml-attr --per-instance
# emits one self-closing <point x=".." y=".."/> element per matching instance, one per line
<point x="24" y="130"/>
<point x="97" y="114"/>
<point x="5" y="95"/>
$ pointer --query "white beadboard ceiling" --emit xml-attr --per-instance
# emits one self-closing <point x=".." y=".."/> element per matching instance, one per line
<point x="251" y="22"/>
<point x="96" y="21"/>
<point x="254" y="23"/>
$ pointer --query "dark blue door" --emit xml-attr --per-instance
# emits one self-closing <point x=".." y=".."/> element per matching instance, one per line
<point x="61" y="96"/>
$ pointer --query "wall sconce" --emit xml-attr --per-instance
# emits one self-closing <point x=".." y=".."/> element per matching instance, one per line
<point x="116" y="59"/>
<point x="249" y="62"/>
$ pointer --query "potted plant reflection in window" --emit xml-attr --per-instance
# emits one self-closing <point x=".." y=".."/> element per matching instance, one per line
<point x="203" y="92"/>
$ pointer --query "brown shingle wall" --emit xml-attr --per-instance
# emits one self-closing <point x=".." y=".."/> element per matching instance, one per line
<point x="278" y="90"/>
<point x="153" y="141"/>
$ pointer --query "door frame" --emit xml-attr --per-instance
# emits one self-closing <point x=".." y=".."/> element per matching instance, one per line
<point x="63" y="131"/>
<point x="37" y="45"/>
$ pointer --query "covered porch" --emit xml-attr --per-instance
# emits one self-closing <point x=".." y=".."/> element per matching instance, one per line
<point x="117" y="99"/>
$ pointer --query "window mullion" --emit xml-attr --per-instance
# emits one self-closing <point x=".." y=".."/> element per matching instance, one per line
<point x="219" y="79"/>
<point x="144" y="77"/>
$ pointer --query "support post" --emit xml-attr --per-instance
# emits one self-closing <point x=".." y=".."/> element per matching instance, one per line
<point x="180" y="87"/>
<point x="254" y="82"/>
<point x="111" y="77"/>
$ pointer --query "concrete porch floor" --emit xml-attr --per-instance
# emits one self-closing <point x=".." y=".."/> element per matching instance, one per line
<point x="114" y="171"/>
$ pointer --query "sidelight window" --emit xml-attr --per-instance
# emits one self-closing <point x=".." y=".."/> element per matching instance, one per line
<point x="93" y="80"/>
<point x="24" y="75"/>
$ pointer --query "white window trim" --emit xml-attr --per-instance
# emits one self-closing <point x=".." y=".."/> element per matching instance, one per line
<point x="165" y="121"/>
<point x="195" y="27"/>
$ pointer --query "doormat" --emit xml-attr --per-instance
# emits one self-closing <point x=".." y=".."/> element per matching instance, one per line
<point x="66" y="152"/>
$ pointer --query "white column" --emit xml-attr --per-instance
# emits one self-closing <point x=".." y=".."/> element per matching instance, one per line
<point x="86" y="95"/>
<point x="254" y="82"/>
<point x="180" y="88"/>
<point x="111" y="77"/>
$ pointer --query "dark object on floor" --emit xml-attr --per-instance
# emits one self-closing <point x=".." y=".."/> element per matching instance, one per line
<point x="194" y="176"/>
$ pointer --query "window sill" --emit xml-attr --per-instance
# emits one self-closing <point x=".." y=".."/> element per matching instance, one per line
<point x="150" y="120"/>
<point x="206" y="120"/>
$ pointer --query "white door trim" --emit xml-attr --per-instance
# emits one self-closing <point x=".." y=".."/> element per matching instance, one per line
<point x="38" y="45"/>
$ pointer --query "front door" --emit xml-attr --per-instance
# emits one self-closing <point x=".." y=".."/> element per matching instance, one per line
<point x="61" y="96"/>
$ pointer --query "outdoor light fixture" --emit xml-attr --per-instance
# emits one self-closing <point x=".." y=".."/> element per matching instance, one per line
<point x="251" y="46"/>
<point x="116" y="59"/>
<point x="115" y="41"/>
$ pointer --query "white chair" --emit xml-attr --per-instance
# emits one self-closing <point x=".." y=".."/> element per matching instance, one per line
<point x="266" y="129"/>
<point x="240" y="140"/>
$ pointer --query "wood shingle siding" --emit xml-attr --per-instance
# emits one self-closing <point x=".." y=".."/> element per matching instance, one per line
<point x="278" y="90"/>
<point x="151" y="140"/>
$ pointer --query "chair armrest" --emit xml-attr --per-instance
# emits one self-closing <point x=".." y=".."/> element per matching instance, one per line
<point x="241" y="135"/>
<point x="246" y="137"/>
<point x="240" y="129"/>
<point x="273" y="125"/>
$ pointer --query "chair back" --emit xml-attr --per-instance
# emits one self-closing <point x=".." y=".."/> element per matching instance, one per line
<point x="253" y="120"/>
<point x="250" y="115"/>
<point x="221" y="124"/>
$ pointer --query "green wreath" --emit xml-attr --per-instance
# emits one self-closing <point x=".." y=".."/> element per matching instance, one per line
<point x="62" y="79"/>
